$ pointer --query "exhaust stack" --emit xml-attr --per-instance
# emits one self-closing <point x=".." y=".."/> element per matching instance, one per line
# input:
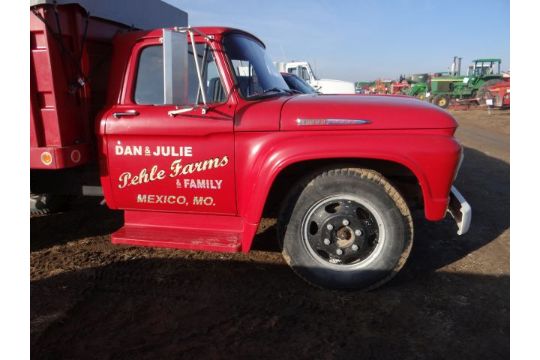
<point x="455" y="69"/>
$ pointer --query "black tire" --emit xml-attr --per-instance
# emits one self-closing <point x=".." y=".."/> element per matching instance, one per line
<point x="441" y="101"/>
<point x="380" y="227"/>
<point x="42" y="204"/>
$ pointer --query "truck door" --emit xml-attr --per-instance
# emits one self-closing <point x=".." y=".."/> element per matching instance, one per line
<point x="158" y="161"/>
<point x="304" y="74"/>
<point x="293" y="70"/>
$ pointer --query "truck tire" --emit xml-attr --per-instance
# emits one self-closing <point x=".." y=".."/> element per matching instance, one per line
<point x="348" y="229"/>
<point x="42" y="204"/>
<point x="441" y="101"/>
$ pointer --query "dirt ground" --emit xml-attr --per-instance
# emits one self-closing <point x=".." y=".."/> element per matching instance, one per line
<point x="91" y="299"/>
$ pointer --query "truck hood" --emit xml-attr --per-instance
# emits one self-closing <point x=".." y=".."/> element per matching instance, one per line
<point x="362" y="112"/>
<point x="331" y="86"/>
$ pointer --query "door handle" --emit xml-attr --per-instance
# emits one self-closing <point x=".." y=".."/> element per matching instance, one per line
<point x="125" y="113"/>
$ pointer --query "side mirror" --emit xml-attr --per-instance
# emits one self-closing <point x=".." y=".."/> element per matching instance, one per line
<point x="175" y="67"/>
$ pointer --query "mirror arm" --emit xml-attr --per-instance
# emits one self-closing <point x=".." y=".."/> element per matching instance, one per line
<point x="204" y="108"/>
<point x="203" y="75"/>
<point x="196" y="58"/>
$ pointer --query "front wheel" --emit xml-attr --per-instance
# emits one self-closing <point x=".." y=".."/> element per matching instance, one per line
<point x="441" y="101"/>
<point x="348" y="229"/>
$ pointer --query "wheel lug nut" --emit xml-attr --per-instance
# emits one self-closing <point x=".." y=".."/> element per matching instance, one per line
<point x="329" y="227"/>
<point x="326" y="241"/>
<point x="354" y="247"/>
<point x="358" y="232"/>
<point x="339" y="251"/>
<point x="345" y="222"/>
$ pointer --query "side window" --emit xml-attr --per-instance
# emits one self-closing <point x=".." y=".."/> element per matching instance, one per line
<point x="215" y="93"/>
<point x="149" y="85"/>
<point x="149" y="82"/>
<point x="304" y="73"/>
<point x="293" y="71"/>
<point x="212" y="84"/>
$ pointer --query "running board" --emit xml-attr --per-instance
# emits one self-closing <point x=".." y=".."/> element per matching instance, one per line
<point x="181" y="231"/>
<point x="178" y="238"/>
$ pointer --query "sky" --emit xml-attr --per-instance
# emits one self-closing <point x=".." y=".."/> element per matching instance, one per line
<point x="365" y="40"/>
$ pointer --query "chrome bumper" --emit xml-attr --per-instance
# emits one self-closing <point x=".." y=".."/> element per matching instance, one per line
<point x="460" y="210"/>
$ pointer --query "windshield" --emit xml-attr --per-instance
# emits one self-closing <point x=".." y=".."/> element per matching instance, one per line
<point x="295" y="83"/>
<point x="255" y="74"/>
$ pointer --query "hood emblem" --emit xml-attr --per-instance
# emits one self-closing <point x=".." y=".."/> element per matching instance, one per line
<point x="323" y="122"/>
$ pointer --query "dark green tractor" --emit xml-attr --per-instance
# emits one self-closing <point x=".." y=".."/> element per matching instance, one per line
<point x="419" y="85"/>
<point x="465" y="88"/>
<point x="443" y="89"/>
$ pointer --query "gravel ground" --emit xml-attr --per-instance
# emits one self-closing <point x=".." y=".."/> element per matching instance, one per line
<point x="91" y="299"/>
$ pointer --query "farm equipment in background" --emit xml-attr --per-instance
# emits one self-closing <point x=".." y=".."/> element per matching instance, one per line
<point x="379" y="87"/>
<point x="442" y="90"/>
<point x="399" y="87"/>
<point x="496" y="95"/>
<point x="465" y="89"/>
<point x="483" y="81"/>
<point x="482" y="72"/>
<point x="418" y="85"/>
<point x="362" y="87"/>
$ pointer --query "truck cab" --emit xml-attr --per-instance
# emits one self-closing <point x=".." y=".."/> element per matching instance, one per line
<point x="303" y="70"/>
<point x="201" y="136"/>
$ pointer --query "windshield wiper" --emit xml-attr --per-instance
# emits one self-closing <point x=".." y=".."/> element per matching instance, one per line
<point x="271" y="93"/>
<point x="278" y="90"/>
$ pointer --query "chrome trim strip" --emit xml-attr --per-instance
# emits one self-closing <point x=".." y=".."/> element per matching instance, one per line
<point x="324" y="122"/>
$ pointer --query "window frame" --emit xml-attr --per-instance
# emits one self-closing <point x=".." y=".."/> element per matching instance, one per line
<point x="136" y="75"/>
<point x="131" y="84"/>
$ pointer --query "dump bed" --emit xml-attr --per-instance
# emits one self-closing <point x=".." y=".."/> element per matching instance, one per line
<point x="70" y="52"/>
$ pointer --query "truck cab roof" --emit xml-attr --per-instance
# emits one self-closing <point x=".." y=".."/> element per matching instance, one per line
<point x="215" y="31"/>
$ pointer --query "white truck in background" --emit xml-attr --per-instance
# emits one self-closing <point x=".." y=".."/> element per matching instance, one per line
<point x="303" y="70"/>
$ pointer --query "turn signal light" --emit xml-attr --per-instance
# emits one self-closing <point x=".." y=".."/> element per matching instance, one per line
<point x="46" y="158"/>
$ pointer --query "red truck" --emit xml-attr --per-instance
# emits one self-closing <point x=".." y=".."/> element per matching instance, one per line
<point x="199" y="135"/>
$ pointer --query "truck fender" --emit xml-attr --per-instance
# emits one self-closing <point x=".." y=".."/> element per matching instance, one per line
<point x="261" y="158"/>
